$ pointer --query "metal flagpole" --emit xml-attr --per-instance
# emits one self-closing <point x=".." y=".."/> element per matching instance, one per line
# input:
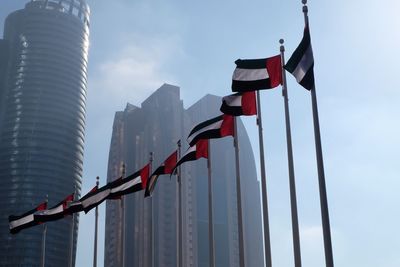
<point x="71" y="249"/>
<point x="152" y="217"/>
<point x="292" y="183"/>
<point x="239" y="196"/>
<point x="43" y="261"/>
<point x="267" y="241"/>
<point x="179" y="180"/>
<point x="95" y="230"/>
<point x="210" y="211"/>
<point x="122" y="208"/>
<point x="320" y="165"/>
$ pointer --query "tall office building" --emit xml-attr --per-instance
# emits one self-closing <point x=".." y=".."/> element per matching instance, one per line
<point x="42" y="119"/>
<point x="156" y="127"/>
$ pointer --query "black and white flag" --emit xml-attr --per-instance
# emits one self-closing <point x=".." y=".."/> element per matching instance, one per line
<point x="217" y="127"/>
<point x="257" y="74"/>
<point x="26" y="220"/>
<point x="301" y="63"/>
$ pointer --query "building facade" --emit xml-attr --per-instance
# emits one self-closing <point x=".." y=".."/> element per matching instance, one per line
<point x="42" y="120"/>
<point x="156" y="127"/>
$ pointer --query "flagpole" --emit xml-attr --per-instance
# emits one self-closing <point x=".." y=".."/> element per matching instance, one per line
<point x="320" y="165"/>
<point x="152" y="217"/>
<point x="122" y="209"/>
<point x="267" y="241"/>
<point x="95" y="230"/>
<point x="71" y="249"/>
<point x="43" y="261"/>
<point x="210" y="211"/>
<point x="292" y="183"/>
<point x="239" y="196"/>
<point x="179" y="240"/>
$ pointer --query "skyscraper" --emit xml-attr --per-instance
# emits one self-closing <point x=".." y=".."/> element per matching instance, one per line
<point x="42" y="119"/>
<point x="156" y="127"/>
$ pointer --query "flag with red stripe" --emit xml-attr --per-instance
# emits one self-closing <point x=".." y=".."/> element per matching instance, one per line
<point x="166" y="168"/>
<point x="55" y="213"/>
<point x="26" y="220"/>
<point x="239" y="104"/>
<point x="256" y="74"/>
<point x="199" y="150"/>
<point x="217" y="127"/>
<point x="133" y="183"/>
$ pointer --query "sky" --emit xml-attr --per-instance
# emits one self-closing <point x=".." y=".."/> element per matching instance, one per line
<point x="136" y="46"/>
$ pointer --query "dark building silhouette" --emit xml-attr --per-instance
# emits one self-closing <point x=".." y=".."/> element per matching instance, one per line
<point x="43" y="77"/>
<point x="156" y="127"/>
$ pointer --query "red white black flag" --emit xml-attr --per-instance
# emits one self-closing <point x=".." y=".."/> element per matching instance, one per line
<point x="199" y="150"/>
<point x="165" y="168"/>
<point x="55" y="213"/>
<point x="256" y="74"/>
<point x="26" y="220"/>
<point x="133" y="183"/>
<point x="217" y="127"/>
<point x="94" y="198"/>
<point x="239" y="104"/>
<point x="76" y="205"/>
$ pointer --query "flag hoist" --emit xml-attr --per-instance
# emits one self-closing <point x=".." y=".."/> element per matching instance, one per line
<point x="255" y="75"/>
<point x="180" y="230"/>
<point x="301" y="65"/>
<point x="122" y="211"/>
<point x="239" y="195"/>
<point x="292" y="183"/>
<point x="96" y="222"/>
<point x="71" y="248"/>
<point x="43" y="261"/>
<point x="210" y="210"/>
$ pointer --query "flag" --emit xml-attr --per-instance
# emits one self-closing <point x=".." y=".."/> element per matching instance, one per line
<point x="301" y="63"/>
<point x="239" y="104"/>
<point x="94" y="198"/>
<point x="133" y="183"/>
<point x="76" y="205"/>
<point x="26" y="220"/>
<point x="166" y="168"/>
<point x="199" y="150"/>
<point x="256" y="74"/>
<point x="55" y="213"/>
<point x="217" y="127"/>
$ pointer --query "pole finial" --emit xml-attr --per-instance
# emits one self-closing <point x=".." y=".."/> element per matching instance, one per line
<point x="305" y="8"/>
<point x="282" y="47"/>
<point x="97" y="180"/>
<point x="179" y="143"/>
<point x="151" y="156"/>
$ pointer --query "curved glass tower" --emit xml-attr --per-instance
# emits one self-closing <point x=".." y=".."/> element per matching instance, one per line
<point x="42" y="120"/>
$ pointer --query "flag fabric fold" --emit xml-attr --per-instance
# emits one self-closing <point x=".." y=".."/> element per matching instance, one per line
<point x="256" y="74"/>
<point x="239" y="104"/>
<point x="94" y="198"/>
<point x="301" y="63"/>
<point x="133" y="183"/>
<point x="217" y="127"/>
<point x="76" y="205"/>
<point x="26" y="220"/>
<point x="199" y="150"/>
<point x="165" y="168"/>
<point x="55" y="213"/>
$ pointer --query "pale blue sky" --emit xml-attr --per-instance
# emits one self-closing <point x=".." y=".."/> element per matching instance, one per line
<point x="138" y="45"/>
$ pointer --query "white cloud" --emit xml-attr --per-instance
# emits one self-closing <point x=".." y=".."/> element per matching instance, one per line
<point x="133" y="73"/>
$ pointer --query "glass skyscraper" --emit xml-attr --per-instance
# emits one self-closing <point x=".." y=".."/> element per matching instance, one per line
<point x="43" y="77"/>
<point x="156" y="126"/>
